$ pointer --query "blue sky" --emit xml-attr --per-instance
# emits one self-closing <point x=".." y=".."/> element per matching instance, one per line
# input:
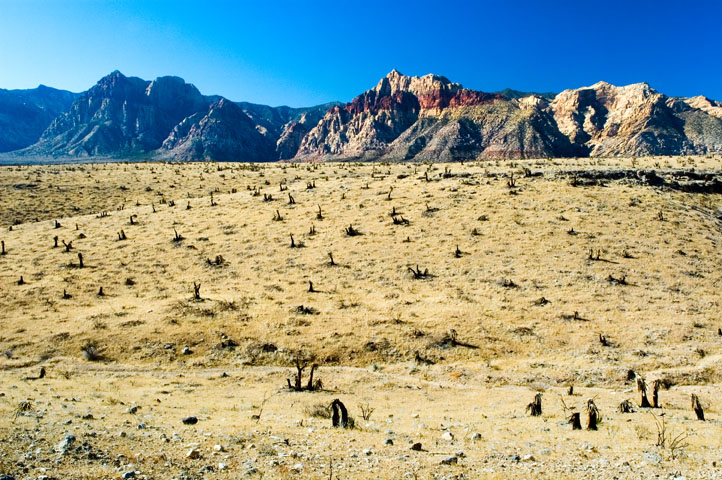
<point x="302" y="53"/>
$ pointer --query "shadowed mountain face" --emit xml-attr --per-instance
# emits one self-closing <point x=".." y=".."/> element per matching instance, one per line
<point x="121" y="116"/>
<point x="402" y="118"/>
<point x="169" y="118"/>
<point x="25" y="114"/>
<point x="223" y="133"/>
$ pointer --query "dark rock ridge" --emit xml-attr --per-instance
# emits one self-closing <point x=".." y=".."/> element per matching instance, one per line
<point x="223" y="133"/>
<point x="127" y="116"/>
<point x="25" y="114"/>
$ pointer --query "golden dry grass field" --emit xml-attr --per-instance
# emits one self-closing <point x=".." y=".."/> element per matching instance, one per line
<point x="564" y="274"/>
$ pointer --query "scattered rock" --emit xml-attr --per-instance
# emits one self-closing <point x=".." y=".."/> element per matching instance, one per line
<point x="653" y="458"/>
<point x="448" y="436"/>
<point x="528" y="458"/>
<point x="186" y="351"/>
<point x="416" y="447"/>
<point x="193" y="454"/>
<point x="130" y="474"/>
<point x="451" y="460"/>
<point x="66" y="443"/>
<point x="190" y="420"/>
<point x="132" y="410"/>
<point x="388" y="441"/>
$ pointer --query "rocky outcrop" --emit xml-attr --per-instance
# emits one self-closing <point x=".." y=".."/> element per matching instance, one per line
<point x="430" y="118"/>
<point x="121" y="116"/>
<point x="285" y="125"/>
<point x="25" y="114"/>
<point x="700" y="102"/>
<point x="224" y="133"/>
<point x="605" y="120"/>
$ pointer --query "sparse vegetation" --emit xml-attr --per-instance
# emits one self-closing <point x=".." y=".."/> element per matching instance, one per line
<point x="416" y="319"/>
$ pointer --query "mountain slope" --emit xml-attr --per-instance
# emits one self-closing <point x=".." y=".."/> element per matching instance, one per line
<point x="224" y="133"/>
<point x="121" y="115"/>
<point x="25" y="114"/>
<point x="429" y="117"/>
<point x="402" y="118"/>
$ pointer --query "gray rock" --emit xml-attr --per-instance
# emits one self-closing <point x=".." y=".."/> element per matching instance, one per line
<point x="653" y="457"/>
<point x="186" y="351"/>
<point x="127" y="475"/>
<point x="451" y="460"/>
<point x="66" y="443"/>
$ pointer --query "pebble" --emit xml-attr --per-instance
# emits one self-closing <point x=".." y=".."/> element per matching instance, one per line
<point x="222" y="466"/>
<point x="475" y="436"/>
<point x="416" y="446"/>
<point x="514" y="458"/>
<point x="528" y="458"/>
<point x="452" y="460"/>
<point x="193" y="454"/>
<point x="653" y="457"/>
<point x="368" y="451"/>
<point x="190" y="420"/>
<point x="130" y="474"/>
<point x="187" y="351"/>
<point x="388" y="441"/>
<point x="66" y="443"/>
<point x="448" y="436"/>
<point x="132" y="410"/>
<point x="219" y="448"/>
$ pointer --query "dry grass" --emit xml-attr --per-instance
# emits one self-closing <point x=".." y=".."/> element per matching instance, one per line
<point x="455" y="344"/>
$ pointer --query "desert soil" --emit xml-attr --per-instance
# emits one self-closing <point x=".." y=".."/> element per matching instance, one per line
<point x="535" y="283"/>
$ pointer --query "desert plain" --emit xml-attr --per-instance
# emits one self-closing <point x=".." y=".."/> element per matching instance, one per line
<point x="435" y="299"/>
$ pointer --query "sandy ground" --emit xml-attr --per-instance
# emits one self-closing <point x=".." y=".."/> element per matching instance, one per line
<point x="513" y="305"/>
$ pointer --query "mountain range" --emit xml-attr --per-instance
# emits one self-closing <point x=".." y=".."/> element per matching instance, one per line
<point x="402" y="118"/>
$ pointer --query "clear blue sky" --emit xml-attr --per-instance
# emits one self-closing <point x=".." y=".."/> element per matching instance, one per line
<point x="302" y="53"/>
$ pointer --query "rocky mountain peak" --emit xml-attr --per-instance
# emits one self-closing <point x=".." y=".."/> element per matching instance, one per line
<point x="711" y="107"/>
<point x="396" y="82"/>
